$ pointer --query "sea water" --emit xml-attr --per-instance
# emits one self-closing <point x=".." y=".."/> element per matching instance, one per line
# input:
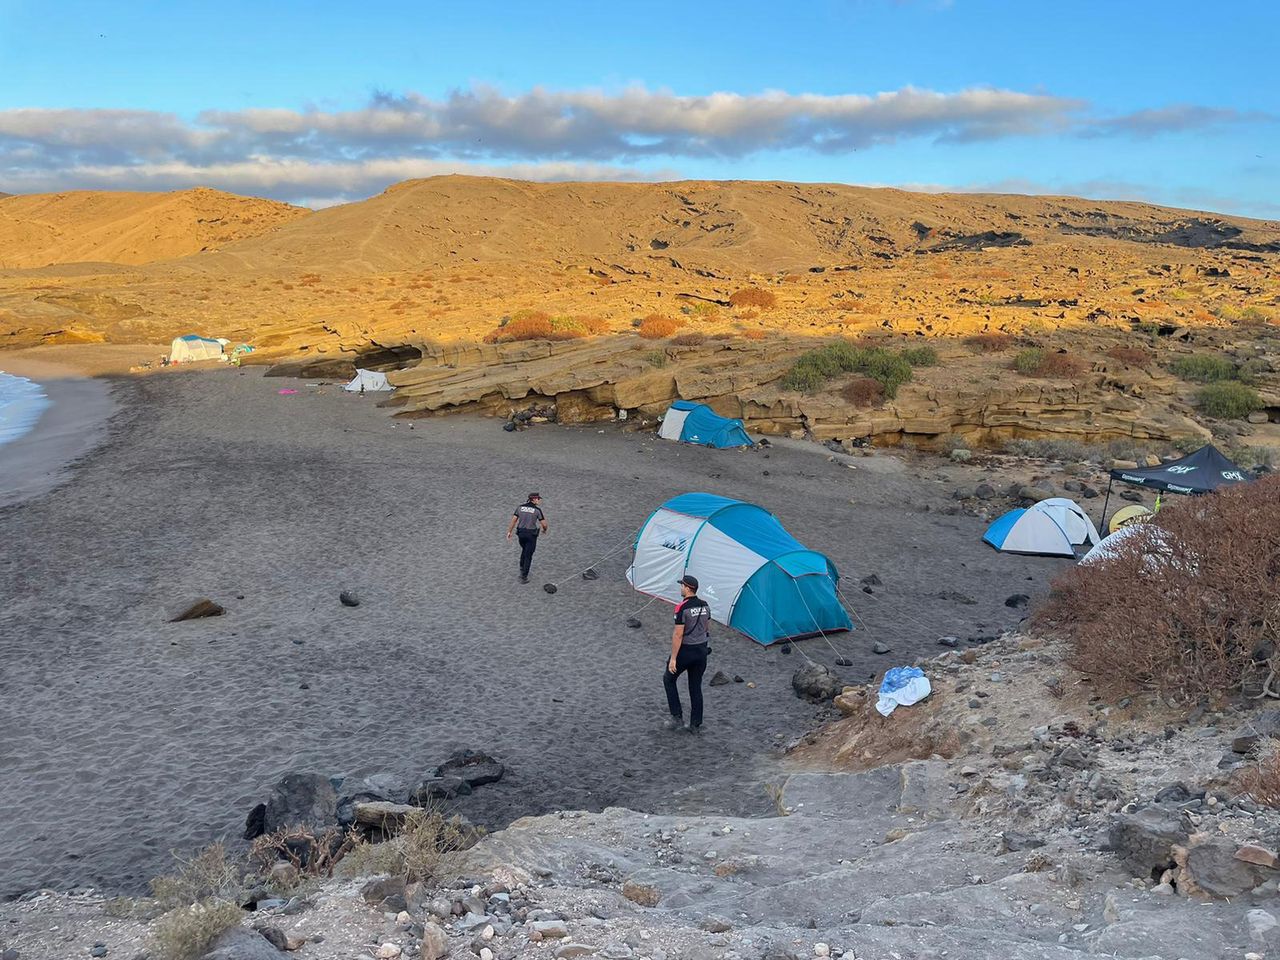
<point x="21" y="403"/>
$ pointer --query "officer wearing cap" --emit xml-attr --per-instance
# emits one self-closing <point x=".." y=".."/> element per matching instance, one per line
<point x="689" y="651"/>
<point x="527" y="522"/>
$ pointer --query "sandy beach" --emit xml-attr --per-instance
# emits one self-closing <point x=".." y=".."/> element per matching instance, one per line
<point x="126" y="737"/>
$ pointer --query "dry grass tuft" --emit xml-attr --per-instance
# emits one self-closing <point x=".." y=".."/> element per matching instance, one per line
<point x="209" y="874"/>
<point x="1132" y="356"/>
<point x="753" y="297"/>
<point x="187" y="932"/>
<point x="1261" y="779"/>
<point x="754" y="334"/>
<point x="537" y="325"/>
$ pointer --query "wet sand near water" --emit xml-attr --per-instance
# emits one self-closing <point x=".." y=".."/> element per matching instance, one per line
<point x="124" y="737"/>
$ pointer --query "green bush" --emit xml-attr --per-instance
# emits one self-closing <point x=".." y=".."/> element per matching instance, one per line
<point x="920" y="356"/>
<point x="187" y="932"/>
<point x="1252" y="369"/>
<point x="1028" y="361"/>
<point x="803" y="379"/>
<point x="1202" y="368"/>
<point x="1228" y="401"/>
<point x="815" y="368"/>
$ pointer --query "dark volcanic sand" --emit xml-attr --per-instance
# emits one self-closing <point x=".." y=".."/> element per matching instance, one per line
<point x="123" y="736"/>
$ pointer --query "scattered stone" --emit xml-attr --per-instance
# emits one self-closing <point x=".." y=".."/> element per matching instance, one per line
<point x="1034" y="494"/>
<point x="1252" y="853"/>
<point x="199" y="610"/>
<point x="348" y="598"/>
<point x="389" y="951"/>
<point x="984" y="491"/>
<point x="240" y="943"/>
<point x="871" y="580"/>
<point x="948" y="641"/>
<point x="1212" y="867"/>
<point x="843" y="662"/>
<point x="1014" y="841"/>
<point x="879" y="647"/>
<point x="98" y="950"/>
<point x="567" y="951"/>
<point x="1017" y="601"/>
<point x="274" y="935"/>
<point x="720" y="679"/>
<point x="385" y="892"/>
<point x="1245" y="744"/>
<point x="1261" y="923"/>
<point x="716" y="925"/>
<point x="955" y="597"/>
<point x="590" y="574"/>
<point x="435" y="942"/>
<point x="644" y="894"/>
<point x="633" y="623"/>
<point x="815" y="682"/>
<point x="1124" y="464"/>
<point x="439" y="788"/>
<point x="549" y="929"/>
<point x="1073" y="486"/>
<point x="382" y="814"/>
<point x="550" y="587"/>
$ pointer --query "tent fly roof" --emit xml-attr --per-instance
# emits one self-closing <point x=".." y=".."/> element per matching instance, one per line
<point x="1201" y="472"/>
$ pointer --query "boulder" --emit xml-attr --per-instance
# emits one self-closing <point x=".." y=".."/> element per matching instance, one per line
<point x="385" y="892"/>
<point x="815" y="682"/>
<point x="1258" y="416"/>
<point x="720" y="679"/>
<point x="1213" y="868"/>
<point x="471" y="766"/>
<point x="1144" y="840"/>
<point x="435" y="942"/>
<point x="1034" y="494"/>
<point x="239" y="943"/>
<point x="1124" y="464"/>
<point x="1017" y="601"/>
<point x="382" y="814"/>
<point x="984" y="491"/>
<point x="301" y="800"/>
<point x="644" y="894"/>
<point x="1253" y="853"/>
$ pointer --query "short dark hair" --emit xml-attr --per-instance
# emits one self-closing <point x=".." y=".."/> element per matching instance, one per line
<point x="535" y="496"/>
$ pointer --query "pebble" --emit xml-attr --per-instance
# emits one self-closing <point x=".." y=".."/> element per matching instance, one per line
<point x="99" y="950"/>
<point x="389" y="951"/>
<point x="821" y="950"/>
<point x="486" y="953"/>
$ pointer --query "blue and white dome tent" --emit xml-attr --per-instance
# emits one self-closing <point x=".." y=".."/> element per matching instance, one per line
<point x="757" y="578"/>
<point x="698" y="423"/>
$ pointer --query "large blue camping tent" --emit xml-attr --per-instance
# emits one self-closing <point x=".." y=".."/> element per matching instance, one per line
<point x="757" y="578"/>
<point x="698" y="423"/>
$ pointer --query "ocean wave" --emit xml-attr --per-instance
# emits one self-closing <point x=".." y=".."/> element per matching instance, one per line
<point x="21" y="403"/>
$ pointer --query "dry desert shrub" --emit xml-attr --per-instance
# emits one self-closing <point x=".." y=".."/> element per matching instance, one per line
<point x="208" y="874"/>
<point x="753" y="297"/>
<point x="989" y="342"/>
<point x="1034" y="362"/>
<point x="1261" y="779"/>
<point x="187" y="932"/>
<point x="1132" y="356"/>
<point x="863" y="392"/>
<point x="533" y="325"/>
<point x="309" y="280"/>
<point x="691" y="339"/>
<point x="1189" y="607"/>
<point x="657" y="327"/>
<point x="430" y="838"/>
<point x="754" y="334"/>
<point x="313" y="854"/>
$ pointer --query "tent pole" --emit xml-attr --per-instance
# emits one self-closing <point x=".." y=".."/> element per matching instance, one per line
<point x="1103" y="525"/>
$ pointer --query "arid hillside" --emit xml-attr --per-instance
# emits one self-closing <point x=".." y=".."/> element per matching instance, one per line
<point x="598" y="297"/>
<point x="129" y="228"/>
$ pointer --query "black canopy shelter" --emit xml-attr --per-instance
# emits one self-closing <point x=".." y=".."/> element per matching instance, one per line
<point x="1201" y="472"/>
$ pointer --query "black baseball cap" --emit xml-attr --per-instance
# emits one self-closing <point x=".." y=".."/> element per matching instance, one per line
<point x="535" y="496"/>
<point x="690" y="581"/>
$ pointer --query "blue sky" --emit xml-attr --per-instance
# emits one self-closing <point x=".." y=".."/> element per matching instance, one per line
<point x="320" y="102"/>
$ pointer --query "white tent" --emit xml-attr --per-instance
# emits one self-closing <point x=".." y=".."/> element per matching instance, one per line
<point x="192" y="348"/>
<point x="368" y="381"/>
<point x="1070" y="516"/>
<point x="1153" y="541"/>
<point x="1034" y="532"/>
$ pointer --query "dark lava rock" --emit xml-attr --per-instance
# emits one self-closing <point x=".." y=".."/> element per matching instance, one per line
<point x="984" y="491"/>
<point x="348" y="599"/>
<point x="1017" y="601"/>
<point x="720" y="679"/>
<point x="550" y="587"/>
<point x="871" y="580"/>
<point x="439" y="788"/>
<point x="274" y="936"/>
<point x="199" y="610"/>
<point x="474" y="767"/>
<point x="1245" y="744"/>
<point x="1213" y="868"/>
<point x="1012" y="841"/>
<point x="590" y="574"/>
<point x="956" y="597"/>
<point x="1178" y="793"/>
<point x="1144" y="841"/>
<point x="385" y="892"/>
<point x="300" y="800"/>
<point x="948" y="641"/>
<point x="880" y="648"/>
<point x="843" y="662"/>
<point x="634" y="623"/>
<point x="509" y="426"/>
<point x="815" y="682"/>
<point x="255" y="825"/>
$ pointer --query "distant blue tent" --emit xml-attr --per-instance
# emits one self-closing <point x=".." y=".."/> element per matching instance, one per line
<point x="757" y="578"/>
<point x="698" y="423"/>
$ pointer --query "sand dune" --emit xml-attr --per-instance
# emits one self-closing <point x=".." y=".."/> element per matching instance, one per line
<point x="129" y="228"/>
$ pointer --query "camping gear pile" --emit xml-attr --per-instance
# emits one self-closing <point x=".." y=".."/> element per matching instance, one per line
<point x="901" y="687"/>
<point x="697" y="423"/>
<point x="757" y="578"/>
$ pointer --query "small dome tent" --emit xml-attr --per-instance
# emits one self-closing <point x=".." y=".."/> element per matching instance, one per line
<point x="757" y="578"/>
<point x="192" y="348"/>
<point x="368" y="381"/>
<point x="1070" y="516"/>
<point x="698" y="423"/>
<point x="1155" y="545"/>
<point x="1033" y="532"/>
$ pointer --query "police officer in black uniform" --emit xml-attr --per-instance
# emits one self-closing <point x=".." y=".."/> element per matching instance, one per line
<point x="527" y="522"/>
<point x="689" y="649"/>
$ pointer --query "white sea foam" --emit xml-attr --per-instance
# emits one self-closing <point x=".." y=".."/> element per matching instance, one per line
<point x="21" y="403"/>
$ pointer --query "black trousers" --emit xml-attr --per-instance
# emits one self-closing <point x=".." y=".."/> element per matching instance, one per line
<point x="693" y="661"/>
<point x="528" y="543"/>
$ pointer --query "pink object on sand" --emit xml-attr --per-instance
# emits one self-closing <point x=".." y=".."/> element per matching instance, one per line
<point x="286" y="391"/>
